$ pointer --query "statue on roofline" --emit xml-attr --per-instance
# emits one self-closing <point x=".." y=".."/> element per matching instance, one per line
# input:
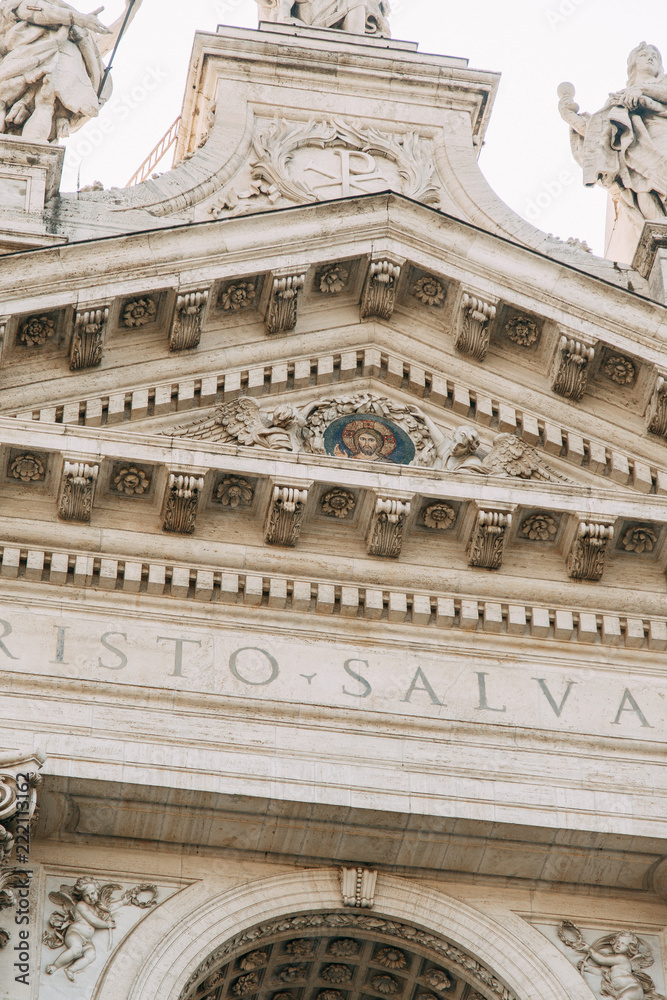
<point x="623" y="147"/>
<point x="51" y="67"/>
<point x="361" y="17"/>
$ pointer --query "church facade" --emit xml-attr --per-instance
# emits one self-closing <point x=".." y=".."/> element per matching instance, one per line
<point x="333" y="547"/>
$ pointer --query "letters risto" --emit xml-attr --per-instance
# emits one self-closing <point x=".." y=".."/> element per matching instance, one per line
<point x="437" y="683"/>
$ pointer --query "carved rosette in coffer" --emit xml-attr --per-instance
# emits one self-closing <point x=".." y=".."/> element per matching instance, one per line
<point x="387" y="527"/>
<point x="486" y="545"/>
<point x="283" y="308"/>
<point x="185" y="330"/>
<point x="379" y="296"/>
<point x="586" y="559"/>
<point x="77" y="491"/>
<point x="285" y="514"/>
<point x="182" y="502"/>
<point x="90" y="327"/>
<point x="574" y="357"/>
<point x="474" y="327"/>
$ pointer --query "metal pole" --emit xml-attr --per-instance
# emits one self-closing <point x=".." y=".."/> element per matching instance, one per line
<point x="128" y="12"/>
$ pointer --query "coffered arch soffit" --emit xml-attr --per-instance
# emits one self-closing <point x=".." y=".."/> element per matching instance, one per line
<point x="201" y="930"/>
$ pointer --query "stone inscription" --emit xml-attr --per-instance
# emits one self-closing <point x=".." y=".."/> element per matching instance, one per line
<point x="453" y="684"/>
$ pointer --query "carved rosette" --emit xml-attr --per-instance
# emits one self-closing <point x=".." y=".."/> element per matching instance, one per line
<point x="285" y="515"/>
<point x="357" y="886"/>
<point x="385" y="537"/>
<point x="573" y="360"/>
<point x="657" y="413"/>
<point x="474" y="326"/>
<point x="139" y="312"/>
<point x="182" y="503"/>
<point x="185" y="330"/>
<point x="88" y="341"/>
<point x="77" y="491"/>
<point x="283" y="308"/>
<point x="487" y="541"/>
<point x="379" y="296"/>
<point x="589" y="549"/>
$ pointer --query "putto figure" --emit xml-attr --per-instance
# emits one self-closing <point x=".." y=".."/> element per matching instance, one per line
<point x="87" y="907"/>
<point x="623" y="147"/>
<point x="618" y="959"/>
<point x="51" y="67"/>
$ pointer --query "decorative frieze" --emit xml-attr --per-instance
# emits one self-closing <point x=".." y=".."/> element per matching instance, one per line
<point x="285" y="515"/>
<point x="283" y="306"/>
<point x="379" y="295"/>
<point x="474" y="329"/>
<point x="487" y="541"/>
<point x="657" y="412"/>
<point x="185" y="330"/>
<point x="571" y="366"/>
<point x="357" y="886"/>
<point x="77" y="491"/>
<point x="385" y="536"/>
<point x="589" y="549"/>
<point x="88" y="339"/>
<point x="182" y="502"/>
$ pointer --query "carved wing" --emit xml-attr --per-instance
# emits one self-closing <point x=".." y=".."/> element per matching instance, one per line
<point x="510" y="456"/>
<point x="237" y="421"/>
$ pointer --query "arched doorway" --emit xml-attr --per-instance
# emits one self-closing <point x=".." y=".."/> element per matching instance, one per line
<point x="204" y="940"/>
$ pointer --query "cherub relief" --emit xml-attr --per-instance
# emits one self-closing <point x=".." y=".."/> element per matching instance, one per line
<point x="618" y="959"/>
<point x="86" y="907"/>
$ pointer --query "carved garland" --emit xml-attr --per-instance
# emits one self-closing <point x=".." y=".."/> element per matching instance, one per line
<point x="463" y="963"/>
<point x="275" y="147"/>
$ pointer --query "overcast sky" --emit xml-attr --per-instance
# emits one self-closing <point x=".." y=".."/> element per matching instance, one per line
<point x="535" y="44"/>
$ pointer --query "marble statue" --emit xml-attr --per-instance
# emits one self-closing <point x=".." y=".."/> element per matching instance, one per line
<point x="623" y="147"/>
<point x="370" y="17"/>
<point x="51" y="67"/>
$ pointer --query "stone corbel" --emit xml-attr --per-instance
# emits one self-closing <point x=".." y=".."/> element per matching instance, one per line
<point x="588" y="550"/>
<point x="181" y="503"/>
<point x="486" y="545"/>
<point x="385" y="535"/>
<point x="285" y="514"/>
<point x="185" y="330"/>
<point x="571" y="365"/>
<point x="379" y="294"/>
<point x="474" y="329"/>
<point x="282" y="311"/>
<point x="657" y="411"/>
<point x="90" y="326"/>
<point x="77" y="490"/>
<point x="357" y="886"/>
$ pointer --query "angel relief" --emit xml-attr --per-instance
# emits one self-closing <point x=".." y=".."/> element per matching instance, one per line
<point x="369" y="428"/>
<point x="85" y="908"/>
<point x="618" y="959"/>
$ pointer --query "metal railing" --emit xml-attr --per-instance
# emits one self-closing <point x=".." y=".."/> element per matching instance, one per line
<point x="156" y="155"/>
